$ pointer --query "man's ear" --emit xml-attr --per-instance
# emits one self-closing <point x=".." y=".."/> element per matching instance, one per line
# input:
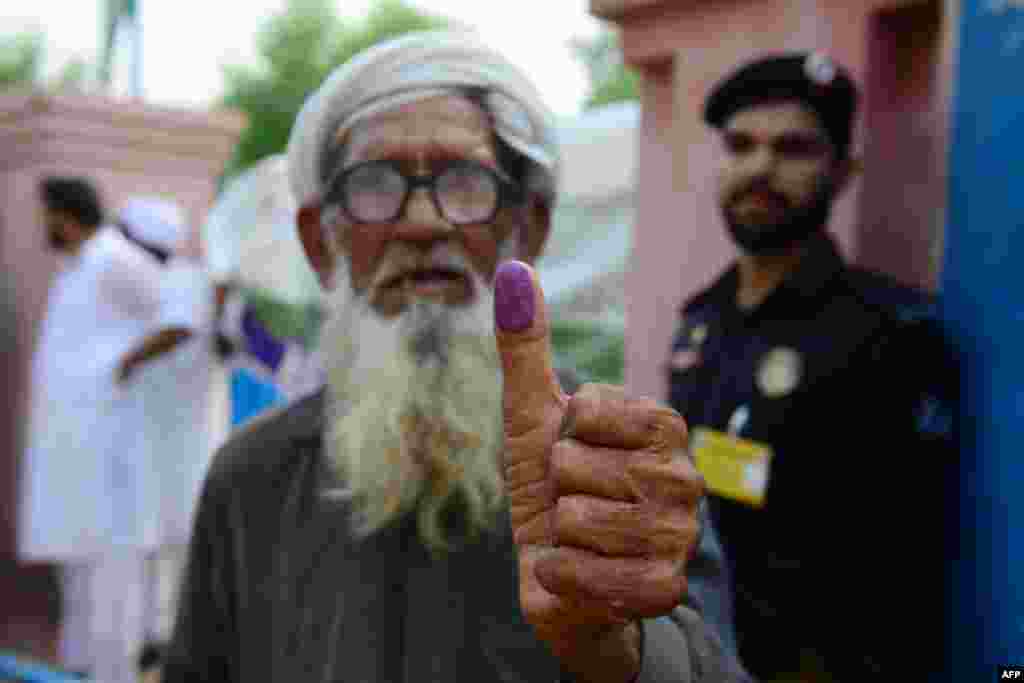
<point x="319" y="254"/>
<point x="538" y="227"/>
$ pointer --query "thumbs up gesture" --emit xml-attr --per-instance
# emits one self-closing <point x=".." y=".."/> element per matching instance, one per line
<point x="603" y="497"/>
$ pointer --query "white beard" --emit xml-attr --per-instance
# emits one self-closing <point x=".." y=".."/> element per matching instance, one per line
<point x="414" y="412"/>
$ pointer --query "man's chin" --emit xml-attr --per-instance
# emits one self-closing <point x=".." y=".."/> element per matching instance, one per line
<point x="756" y="221"/>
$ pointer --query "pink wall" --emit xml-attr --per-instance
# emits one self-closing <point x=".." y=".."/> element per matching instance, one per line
<point x="127" y="149"/>
<point x="679" y="242"/>
<point x="908" y="93"/>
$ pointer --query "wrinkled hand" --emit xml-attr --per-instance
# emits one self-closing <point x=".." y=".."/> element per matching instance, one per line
<point x="603" y="498"/>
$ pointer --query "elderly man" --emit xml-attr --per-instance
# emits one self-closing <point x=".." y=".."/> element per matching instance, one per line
<point x="442" y="511"/>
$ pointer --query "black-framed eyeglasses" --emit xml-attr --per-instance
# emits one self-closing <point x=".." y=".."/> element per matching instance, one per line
<point x="463" y="192"/>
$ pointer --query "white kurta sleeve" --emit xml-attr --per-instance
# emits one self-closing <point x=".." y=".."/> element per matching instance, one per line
<point x="130" y="285"/>
<point x="186" y="298"/>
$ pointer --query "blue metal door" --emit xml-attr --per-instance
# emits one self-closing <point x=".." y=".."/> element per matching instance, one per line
<point x="983" y="309"/>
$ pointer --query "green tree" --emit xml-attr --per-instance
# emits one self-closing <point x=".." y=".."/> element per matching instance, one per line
<point x="595" y="351"/>
<point x="297" y="48"/>
<point x="21" y="57"/>
<point x="73" y="76"/>
<point x="610" y="79"/>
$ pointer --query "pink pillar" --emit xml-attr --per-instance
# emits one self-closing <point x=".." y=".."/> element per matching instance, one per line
<point x="681" y="50"/>
<point x="127" y="149"/>
<point x="910" y="72"/>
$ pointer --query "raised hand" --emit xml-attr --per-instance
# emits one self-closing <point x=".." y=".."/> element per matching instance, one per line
<point x="603" y="497"/>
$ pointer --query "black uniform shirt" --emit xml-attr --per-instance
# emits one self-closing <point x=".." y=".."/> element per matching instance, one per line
<point x="831" y="371"/>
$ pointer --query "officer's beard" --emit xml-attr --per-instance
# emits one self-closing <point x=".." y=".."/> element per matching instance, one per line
<point x="414" y="418"/>
<point x="797" y="225"/>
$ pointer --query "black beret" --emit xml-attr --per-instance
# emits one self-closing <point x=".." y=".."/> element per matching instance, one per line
<point x="811" y="78"/>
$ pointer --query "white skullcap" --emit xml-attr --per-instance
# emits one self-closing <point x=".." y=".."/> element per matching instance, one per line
<point x="155" y="221"/>
<point x="412" y="67"/>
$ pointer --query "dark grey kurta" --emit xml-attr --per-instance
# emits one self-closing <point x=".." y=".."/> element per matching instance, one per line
<point x="277" y="590"/>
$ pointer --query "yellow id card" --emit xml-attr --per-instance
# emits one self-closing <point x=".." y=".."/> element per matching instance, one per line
<point x="732" y="467"/>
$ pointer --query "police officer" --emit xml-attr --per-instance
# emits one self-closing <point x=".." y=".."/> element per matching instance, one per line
<point x="818" y="398"/>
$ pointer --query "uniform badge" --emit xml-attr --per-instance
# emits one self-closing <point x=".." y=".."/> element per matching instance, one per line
<point x="688" y="355"/>
<point x="698" y="334"/>
<point x="738" y="420"/>
<point x="820" y="69"/>
<point x="780" y="372"/>
<point x="732" y="467"/>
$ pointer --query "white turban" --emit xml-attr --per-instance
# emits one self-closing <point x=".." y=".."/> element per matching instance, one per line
<point x="155" y="221"/>
<point x="412" y="67"/>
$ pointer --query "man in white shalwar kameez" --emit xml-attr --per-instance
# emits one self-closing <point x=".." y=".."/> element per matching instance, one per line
<point x="174" y="365"/>
<point x="86" y="450"/>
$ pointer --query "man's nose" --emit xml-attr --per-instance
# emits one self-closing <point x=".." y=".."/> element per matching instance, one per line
<point x="421" y="222"/>
<point x="761" y="161"/>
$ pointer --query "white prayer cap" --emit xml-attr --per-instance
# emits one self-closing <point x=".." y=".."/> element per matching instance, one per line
<point x="155" y="221"/>
<point x="416" y="66"/>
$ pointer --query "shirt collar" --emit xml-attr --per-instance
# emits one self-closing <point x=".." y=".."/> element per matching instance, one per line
<point x="93" y="244"/>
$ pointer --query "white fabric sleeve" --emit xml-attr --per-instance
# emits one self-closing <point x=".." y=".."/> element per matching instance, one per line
<point x="186" y="296"/>
<point x="130" y="284"/>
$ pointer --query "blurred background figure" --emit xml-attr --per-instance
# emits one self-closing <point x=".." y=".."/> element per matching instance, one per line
<point x="270" y="310"/>
<point x="175" y="363"/>
<point x="87" y="451"/>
